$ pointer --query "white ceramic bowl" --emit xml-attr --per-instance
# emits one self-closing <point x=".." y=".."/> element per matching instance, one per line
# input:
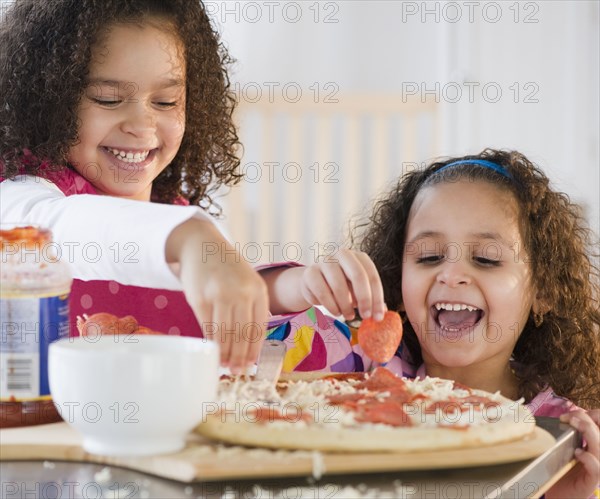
<point x="133" y="395"/>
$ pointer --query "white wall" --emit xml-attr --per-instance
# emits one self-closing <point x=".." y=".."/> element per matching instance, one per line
<point x="549" y="49"/>
<point x="543" y="56"/>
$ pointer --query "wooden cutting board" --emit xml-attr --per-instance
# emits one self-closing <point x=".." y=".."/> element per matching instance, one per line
<point x="203" y="460"/>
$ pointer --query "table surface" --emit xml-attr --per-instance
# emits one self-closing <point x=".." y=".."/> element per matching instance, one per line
<point x="28" y="479"/>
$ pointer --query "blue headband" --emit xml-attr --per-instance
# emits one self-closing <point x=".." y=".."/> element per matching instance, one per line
<point x="481" y="162"/>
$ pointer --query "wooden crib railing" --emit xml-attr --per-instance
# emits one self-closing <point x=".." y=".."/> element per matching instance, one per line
<point x="311" y="166"/>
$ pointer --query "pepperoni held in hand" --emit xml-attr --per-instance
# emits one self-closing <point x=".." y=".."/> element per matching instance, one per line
<point x="380" y="340"/>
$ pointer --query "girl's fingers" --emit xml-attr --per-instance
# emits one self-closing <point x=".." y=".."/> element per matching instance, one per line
<point x="204" y="317"/>
<point x="349" y="282"/>
<point x="255" y="331"/>
<point x="223" y="293"/>
<point x="358" y="276"/>
<point x="378" y="301"/>
<point x="338" y="284"/>
<point x="587" y="425"/>
<point x="591" y="465"/>
<point x="591" y="434"/>
<point x="594" y="414"/>
<point x="237" y="330"/>
<point x="316" y="290"/>
<point x="221" y="321"/>
<point x="589" y="461"/>
<point x="589" y="475"/>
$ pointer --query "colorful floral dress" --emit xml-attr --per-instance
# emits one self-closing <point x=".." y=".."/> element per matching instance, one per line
<point x="318" y="342"/>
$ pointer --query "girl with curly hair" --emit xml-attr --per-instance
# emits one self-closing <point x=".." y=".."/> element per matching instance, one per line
<point x="493" y="274"/>
<point x="106" y="106"/>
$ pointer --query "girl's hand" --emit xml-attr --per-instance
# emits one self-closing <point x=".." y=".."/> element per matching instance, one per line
<point x="341" y="283"/>
<point x="228" y="297"/>
<point x="582" y="480"/>
<point x="347" y="281"/>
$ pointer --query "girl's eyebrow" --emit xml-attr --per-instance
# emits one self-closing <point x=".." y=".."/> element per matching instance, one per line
<point x="491" y="235"/>
<point x="476" y="235"/>
<point x="424" y="235"/>
<point x="164" y="83"/>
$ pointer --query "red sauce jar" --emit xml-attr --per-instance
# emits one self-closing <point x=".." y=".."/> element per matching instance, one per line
<point x="34" y="311"/>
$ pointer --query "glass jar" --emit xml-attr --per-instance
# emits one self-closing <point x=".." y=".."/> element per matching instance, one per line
<point x="34" y="311"/>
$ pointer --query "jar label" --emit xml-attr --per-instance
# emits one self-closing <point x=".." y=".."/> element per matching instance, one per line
<point x="28" y="326"/>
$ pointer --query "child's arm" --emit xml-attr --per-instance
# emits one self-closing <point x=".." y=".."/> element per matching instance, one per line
<point x="583" y="480"/>
<point x="347" y="281"/>
<point x="133" y="242"/>
<point x="101" y="237"/>
<point x="229" y="298"/>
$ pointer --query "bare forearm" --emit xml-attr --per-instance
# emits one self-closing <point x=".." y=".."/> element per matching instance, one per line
<point x="285" y="294"/>
<point x="197" y="235"/>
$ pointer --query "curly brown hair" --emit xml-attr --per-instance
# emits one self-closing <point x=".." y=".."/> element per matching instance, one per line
<point x="564" y="351"/>
<point x="45" y="52"/>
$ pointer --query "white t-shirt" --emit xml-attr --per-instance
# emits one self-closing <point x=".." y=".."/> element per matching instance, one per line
<point x="101" y="237"/>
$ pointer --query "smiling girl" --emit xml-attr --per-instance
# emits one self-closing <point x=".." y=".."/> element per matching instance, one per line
<point x="493" y="274"/>
<point x="466" y="282"/>
<point x="132" y="112"/>
<point x="108" y="105"/>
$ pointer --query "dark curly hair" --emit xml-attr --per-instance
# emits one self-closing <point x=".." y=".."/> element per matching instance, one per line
<point x="564" y="351"/>
<point x="45" y="52"/>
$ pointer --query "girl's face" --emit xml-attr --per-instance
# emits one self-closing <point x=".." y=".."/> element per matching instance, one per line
<point x="132" y="114"/>
<point x="466" y="281"/>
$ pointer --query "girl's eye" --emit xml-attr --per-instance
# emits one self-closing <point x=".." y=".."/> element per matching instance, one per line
<point x="107" y="103"/>
<point x="166" y="105"/>
<point x="486" y="262"/>
<point x="430" y="259"/>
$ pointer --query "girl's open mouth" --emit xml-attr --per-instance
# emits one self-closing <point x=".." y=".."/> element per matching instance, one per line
<point x="130" y="161"/>
<point x="456" y="318"/>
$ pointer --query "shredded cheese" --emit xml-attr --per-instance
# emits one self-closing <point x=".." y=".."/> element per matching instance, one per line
<point x="241" y="398"/>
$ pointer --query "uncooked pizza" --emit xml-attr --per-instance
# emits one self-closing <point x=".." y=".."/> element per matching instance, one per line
<point x="362" y="412"/>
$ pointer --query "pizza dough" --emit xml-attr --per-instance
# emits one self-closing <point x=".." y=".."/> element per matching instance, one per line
<point x="369" y="412"/>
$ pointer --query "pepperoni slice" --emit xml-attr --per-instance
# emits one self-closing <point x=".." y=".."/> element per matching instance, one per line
<point x="127" y="325"/>
<point x="404" y="396"/>
<point x="382" y="380"/>
<point x="389" y="412"/>
<point x="104" y="323"/>
<point x="99" y="324"/>
<point x="460" y="386"/>
<point x="380" y="340"/>
<point x="145" y="330"/>
<point x="446" y="406"/>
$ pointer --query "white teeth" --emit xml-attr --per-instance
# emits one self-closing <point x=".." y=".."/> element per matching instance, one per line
<point x="455" y="307"/>
<point x="129" y="157"/>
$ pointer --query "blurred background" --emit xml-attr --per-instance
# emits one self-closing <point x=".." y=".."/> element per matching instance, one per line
<point x="339" y="98"/>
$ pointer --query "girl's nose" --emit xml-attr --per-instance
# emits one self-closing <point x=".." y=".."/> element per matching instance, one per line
<point x="138" y="120"/>
<point x="453" y="274"/>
